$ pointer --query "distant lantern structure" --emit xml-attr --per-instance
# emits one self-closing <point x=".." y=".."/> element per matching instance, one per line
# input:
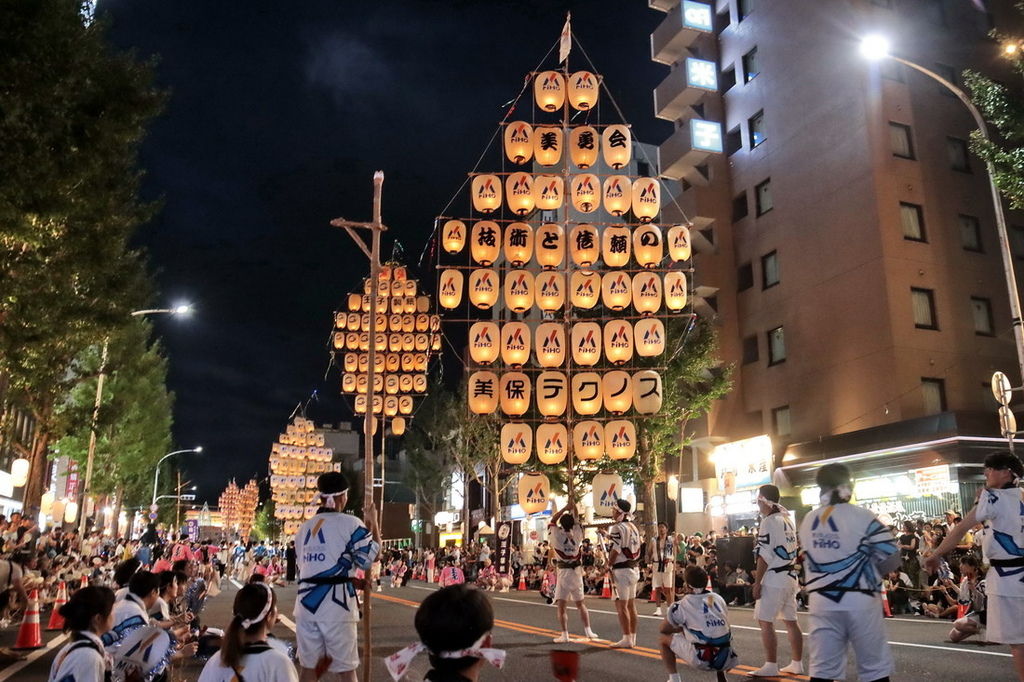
<point x="519" y="142"/>
<point x="486" y="193"/>
<point x="549" y="90"/>
<point x="584" y="146"/>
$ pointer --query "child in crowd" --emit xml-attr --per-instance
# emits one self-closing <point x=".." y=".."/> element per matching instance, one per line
<point x="696" y="630"/>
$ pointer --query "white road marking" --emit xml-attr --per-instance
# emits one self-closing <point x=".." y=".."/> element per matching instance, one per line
<point x="6" y="673"/>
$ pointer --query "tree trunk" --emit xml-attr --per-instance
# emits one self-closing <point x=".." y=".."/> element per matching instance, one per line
<point x="496" y="495"/>
<point x="37" y="472"/>
<point x="116" y="519"/>
<point x="646" y="496"/>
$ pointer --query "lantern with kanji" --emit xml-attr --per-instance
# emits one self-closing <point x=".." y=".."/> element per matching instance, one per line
<point x="514" y="393"/>
<point x="485" y="242"/>
<point x="551" y="443"/>
<point x="585" y="191"/>
<point x="679" y="246"/>
<point x="615" y="246"/>
<point x="584" y="289"/>
<point x="515" y="343"/>
<point x="617" y="145"/>
<point x="519" y="285"/>
<point x="518" y="244"/>
<point x="647" y="393"/>
<point x="519" y="142"/>
<point x="616" y="290"/>
<point x="450" y="292"/>
<point x="547" y="145"/>
<point x="649" y="337"/>
<point x="648" y="245"/>
<point x="584" y="245"/>
<point x="549" y="291"/>
<point x="583" y="146"/>
<point x="620" y="439"/>
<point x="483" y="342"/>
<point x="483" y="288"/>
<point x="549" y="90"/>
<point x="583" y="90"/>
<point x="586" y="393"/>
<point x="646" y="199"/>
<point x="607" y="492"/>
<point x="516" y="443"/>
<point x="549" y="246"/>
<point x="552" y="393"/>
<point x="617" y="390"/>
<point x="588" y="440"/>
<point x="548" y="192"/>
<point x="550" y="344"/>
<point x="534" y="493"/>
<point x="647" y="293"/>
<point x="483" y="392"/>
<point x="675" y="290"/>
<point x="486" y="193"/>
<point x="618" y="341"/>
<point x="519" y="193"/>
<point x="586" y="343"/>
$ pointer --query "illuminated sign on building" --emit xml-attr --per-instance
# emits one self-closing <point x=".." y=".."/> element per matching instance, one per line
<point x="706" y="135"/>
<point x="697" y="15"/>
<point x="747" y="462"/>
<point x="701" y="74"/>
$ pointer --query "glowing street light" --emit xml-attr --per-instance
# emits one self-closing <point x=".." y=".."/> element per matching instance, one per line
<point x="156" y="475"/>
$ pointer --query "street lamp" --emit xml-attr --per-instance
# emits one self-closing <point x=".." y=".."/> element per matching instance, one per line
<point x="876" y="47"/>
<point x="156" y="474"/>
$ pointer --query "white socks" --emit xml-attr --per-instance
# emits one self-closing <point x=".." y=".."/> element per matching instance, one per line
<point x="794" y="668"/>
<point x="766" y="670"/>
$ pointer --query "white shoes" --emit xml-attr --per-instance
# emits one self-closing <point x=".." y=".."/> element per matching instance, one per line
<point x="766" y="670"/>
<point x="562" y="639"/>
<point x="657" y="611"/>
<point x="625" y="643"/>
<point x="591" y="634"/>
<point x="794" y="668"/>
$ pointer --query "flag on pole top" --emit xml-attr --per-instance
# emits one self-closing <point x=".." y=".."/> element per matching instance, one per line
<point x="565" y="40"/>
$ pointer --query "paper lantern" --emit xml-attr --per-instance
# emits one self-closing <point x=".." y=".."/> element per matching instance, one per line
<point x="548" y="192"/>
<point x="355" y="302"/>
<point x="620" y="439"/>
<point x="339" y="340"/>
<point x="584" y="245"/>
<point x="616" y="290"/>
<point x="675" y="290"/>
<point x="585" y="192"/>
<point x="551" y="443"/>
<point x="422" y="304"/>
<point x="397" y="289"/>
<point x="679" y="246"/>
<point x="552" y="393"/>
<point x="586" y="393"/>
<point x="419" y="383"/>
<point x="405" y="383"/>
<point x="351" y="362"/>
<point x="550" y="344"/>
<point x="549" y="246"/>
<point x="648" y="245"/>
<point x="588" y="440"/>
<point x="46" y="502"/>
<point x="647" y="293"/>
<point x="353" y="320"/>
<point x="485" y="242"/>
<point x="584" y="289"/>
<point x="483" y="392"/>
<point x="70" y="511"/>
<point x="615" y="246"/>
<point x="19" y="472"/>
<point x="410" y="287"/>
<point x="404" y="404"/>
<point x="617" y="391"/>
<point x="519" y="290"/>
<point x="618" y="341"/>
<point x="607" y="492"/>
<point x="391" y="386"/>
<point x="583" y="147"/>
<point x="483" y="288"/>
<point x="617" y="194"/>
<point x="518" y="244"/>
<point x="516" y="443"/>
<point x="646" y="199"/>
<point x="450" y="292"/>
<point x="483" y="342"/>
<point x="617" y="145"/>
<point x="392" y="362"/>
<point x="649" y="337"/>
<point x="515" y="393"/>
<point x="390" y="405"/>
<point x="549" y="90"/>
<point x="586" y="343"/>
<point x="534" y="491"/>
<point x="647" y="393"/>
<point x="515" y="343"/>
<point x="409" y="324"/>
<point x="422" y="322"/>
<point x="547" y="145"/>
<point x="519" y="193"/>
<point x="486" y="193"/>
<point x="549" y="291"/>
<point x="583" y="90"/>
<point x="519" y="142"/>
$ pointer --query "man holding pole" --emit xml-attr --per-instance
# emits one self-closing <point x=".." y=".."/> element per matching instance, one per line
<point x="329" y="548"/>
<point x="567" y="543"/>
<point x="623" y="552"/>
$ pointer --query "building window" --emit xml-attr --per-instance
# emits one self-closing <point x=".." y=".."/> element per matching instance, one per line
<point x="958" y="159"/>
<point x="739" y="207"/>
<point x="744" y="277"/>
<point x="769" y="269"/>
<point x="934" y="393"/>
<point x="722" y="20"/>
<point x="733" y="141"/>
<point x="756" y="128"/>
<point x="750" y="353"/>
<point x="780" y="421"/>
<point x="900" y="142"/>
<point x="970" y="232"/>
<point x="744" y="8"/>
<point x="751" y="66"/>
<point x="763" y="196"/>
<point x="923" y="303"/>
<point x="727" y="79"/>
<point x="776" y="346"/>
<point x="948" y="73"/>
<point x="981" y="311"/>
<point x="912" y="219"/>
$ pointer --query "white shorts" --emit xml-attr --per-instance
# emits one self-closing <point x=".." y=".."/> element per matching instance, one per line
<point x="337" y="639"/>
<point x="664" y="579"/>
<point x="1005" y="621"/>
<point x="775" y="600"/>
<point x="569" y="584"/>
<point x="625" y="580"/>
<point x="831" y="631"/>
<point x="687" y="653"/>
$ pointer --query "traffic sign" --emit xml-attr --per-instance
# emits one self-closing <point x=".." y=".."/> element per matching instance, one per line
<point x="154" y="507"/>
<point x="1001" y="388"/>
<point x="188" y="498"/>
<point x="152" y="516"/>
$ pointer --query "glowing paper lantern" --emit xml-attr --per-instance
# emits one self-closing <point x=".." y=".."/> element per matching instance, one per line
<point x="552" y="393"/>
<point x="515" y="393"/>
<point x="675" y="290"/>
<point x="649" y="337"/>
<point x="519" y="290"/>
<point x="483" y="288"/>
<point x="485" y="242"/>
<point x="646" y="199"/>
<point x="450" y="293"/>
<point x="586" y="343"/>
<point x="585" y="191"/>
<point x="648" y="245"/>
<point x="586" y="393"/>
<point x="583" y="90"/>
<point x="483" y="392"/>
<point x="70" y="511"/>
<point x="46" y="502"/>
<point x="534" y="491"/>
<point x="515" y="343"/>
<point x="647" y="393"/>
<point x="616" y="290"/>
<point x="550" y="344"/>
<point x="355" y="302"/>
<point x="584" y="245"/>
<point x="422" y="304"/>
<point x="551" y="443"/>
<point x="617" y="194"/>
<point x="404" y="404"/>
<point x="617" y="145"/>
<point x="351" y="362"/>
<point x="519" y="142"/>
<point x="617" y="391"/>
<point x="583" y="147"/>
<point x="549" y="293"/>
<point x="607" y="492"/>
<point x="679" y="245"/>
<point x="483" y="342"/>
<point x="339" y="340"/>
<point x="647" y="293"/>
<point x="584" y="289"/>
<point x="549" y="246"/>
<point x="615" y="246"/>
<point x="390" y="406"/>
<point x="19" y="472"/>
<point x="486" y="193"/>
<point x="519" y="193"/>
<point x="618" y="341"/>
<point x="548" y="192"/>
<point x="549" y="90"/>
<point x="547" y="145"/>
<point x="588" y="440"/>
<point x="620" y="439"/>
<point x="518" y="244"/>
<point x="516" y="443"/>
<point x="398" y="426"/>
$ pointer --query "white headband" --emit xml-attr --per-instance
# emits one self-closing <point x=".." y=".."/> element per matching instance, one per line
<point x="398" y="662"/>
<point x="844" y="491"/>
<point x="249" y="622"/>
<point x="762" y="498"/>
<point x="328" y="498"/>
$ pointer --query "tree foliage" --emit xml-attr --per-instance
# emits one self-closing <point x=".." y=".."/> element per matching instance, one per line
<point x="1006" y="155"/>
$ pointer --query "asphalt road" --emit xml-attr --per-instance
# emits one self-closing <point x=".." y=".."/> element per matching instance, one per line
<point x="526" y="624"/>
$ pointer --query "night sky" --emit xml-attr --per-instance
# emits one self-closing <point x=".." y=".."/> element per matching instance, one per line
<point x="278" y="115"/>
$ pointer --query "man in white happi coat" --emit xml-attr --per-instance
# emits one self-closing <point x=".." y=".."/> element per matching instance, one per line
<point x="566" y="537"/>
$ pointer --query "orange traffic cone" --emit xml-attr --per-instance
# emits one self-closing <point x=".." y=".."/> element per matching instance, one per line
<point x="437" y="576"/>
<point x="56" y="620"/>
<point x="606" y="590"/>
<point x="544" y="584"/>
<point x="85" y="582"/>
<point x="885" y="602"/>
<point x="522" y="581"/>
<point x="962" y="607"/>
<point x="30" y="636"/>
<point x="710" y="587"/>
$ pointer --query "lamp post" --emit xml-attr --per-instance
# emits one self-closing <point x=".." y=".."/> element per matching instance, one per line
<point x="177" y="310"/>
<point x="156" y="474"/>
<point x="877" y="47"/>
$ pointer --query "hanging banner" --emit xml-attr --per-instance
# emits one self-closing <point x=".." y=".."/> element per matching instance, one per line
<point x="504" y="549"/>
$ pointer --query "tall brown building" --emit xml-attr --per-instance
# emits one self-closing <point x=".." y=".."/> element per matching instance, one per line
<point x="846" y="241"/>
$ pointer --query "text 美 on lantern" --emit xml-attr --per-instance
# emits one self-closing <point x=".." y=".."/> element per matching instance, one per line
<point x="547" y="145"/>
<point x="483" y="392"/>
